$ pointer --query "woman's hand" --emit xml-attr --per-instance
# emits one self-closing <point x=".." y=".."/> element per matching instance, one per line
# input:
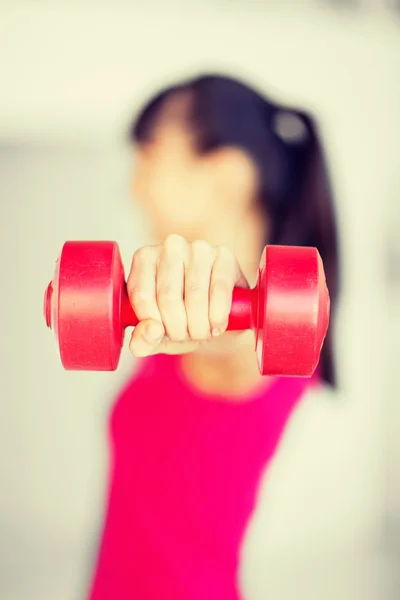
<point x="181" y="293"/>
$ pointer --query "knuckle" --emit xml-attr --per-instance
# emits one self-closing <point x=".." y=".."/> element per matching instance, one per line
<point x="142" y="255"/>
<point x="166" y="293"/>
<point x="173" y="241"/>
<point x="202" y="247"/>
<point x="221" y="287"/>
<point x="138" y="297"/>
<point x="226" y="258"/>
<point x="194" y="291"/>
<point x="223" y="252"/>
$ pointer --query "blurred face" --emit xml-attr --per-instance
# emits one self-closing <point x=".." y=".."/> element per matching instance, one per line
<point x="175" y="186"/>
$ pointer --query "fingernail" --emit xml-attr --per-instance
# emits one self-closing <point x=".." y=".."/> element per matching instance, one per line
<point x="154" y="332"/>
<point x="216" y="332"/>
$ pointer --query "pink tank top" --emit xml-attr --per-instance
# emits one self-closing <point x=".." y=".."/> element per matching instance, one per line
<point x="185" y="474"/>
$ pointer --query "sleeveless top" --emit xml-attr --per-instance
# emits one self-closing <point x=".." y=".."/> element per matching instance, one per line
<point x="186" y="467"/>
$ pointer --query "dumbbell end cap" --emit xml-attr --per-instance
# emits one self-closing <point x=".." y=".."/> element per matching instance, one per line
<point x="323" y="318"/>
<point x="47" y="304"/>
<point x="293" y="311"/>
<point x="82" y="305"/>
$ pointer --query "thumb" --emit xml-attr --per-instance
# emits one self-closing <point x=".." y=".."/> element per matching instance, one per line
<point x="146" y="337"/>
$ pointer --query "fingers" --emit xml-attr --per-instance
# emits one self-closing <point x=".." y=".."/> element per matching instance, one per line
<point x="146" y="338"/>
<point x="197" y="290"/>
<point x="156" y="289"/>
<point x="225" y="275"/>
<point x="170" y="288"/>
<point x="141" y="284"/>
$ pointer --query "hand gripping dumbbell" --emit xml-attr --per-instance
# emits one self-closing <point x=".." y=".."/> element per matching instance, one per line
<point x="87" y="307"/>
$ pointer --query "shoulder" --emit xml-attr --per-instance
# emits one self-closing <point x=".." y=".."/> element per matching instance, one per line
<point x="308" y="502"/>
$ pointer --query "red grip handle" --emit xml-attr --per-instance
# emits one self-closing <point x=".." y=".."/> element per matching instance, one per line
<point x="242" y="315"/>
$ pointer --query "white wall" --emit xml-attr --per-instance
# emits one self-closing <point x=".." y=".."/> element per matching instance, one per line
<point x="71" y="74"/>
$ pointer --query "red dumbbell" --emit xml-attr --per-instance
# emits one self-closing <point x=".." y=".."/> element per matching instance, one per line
<point x="87" y="307"/>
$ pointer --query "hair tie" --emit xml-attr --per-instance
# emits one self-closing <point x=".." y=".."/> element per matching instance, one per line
<point x="290" y="127"/>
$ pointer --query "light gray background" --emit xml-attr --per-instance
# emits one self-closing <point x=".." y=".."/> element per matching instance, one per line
<point x="71" y="74"/>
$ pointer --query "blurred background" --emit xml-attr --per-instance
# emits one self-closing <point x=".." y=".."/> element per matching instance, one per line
<point x="72" y="73"/>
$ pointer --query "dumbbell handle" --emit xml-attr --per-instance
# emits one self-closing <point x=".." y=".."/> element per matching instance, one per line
<point x="242" y="314"/>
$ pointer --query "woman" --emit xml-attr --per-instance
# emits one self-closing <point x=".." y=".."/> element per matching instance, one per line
<point x="221" y="171"/>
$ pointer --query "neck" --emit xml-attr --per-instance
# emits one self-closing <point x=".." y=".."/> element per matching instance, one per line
<point x="231" y="373"/>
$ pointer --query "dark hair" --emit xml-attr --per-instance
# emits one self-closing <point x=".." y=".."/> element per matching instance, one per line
<point x="283" y="142"/>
